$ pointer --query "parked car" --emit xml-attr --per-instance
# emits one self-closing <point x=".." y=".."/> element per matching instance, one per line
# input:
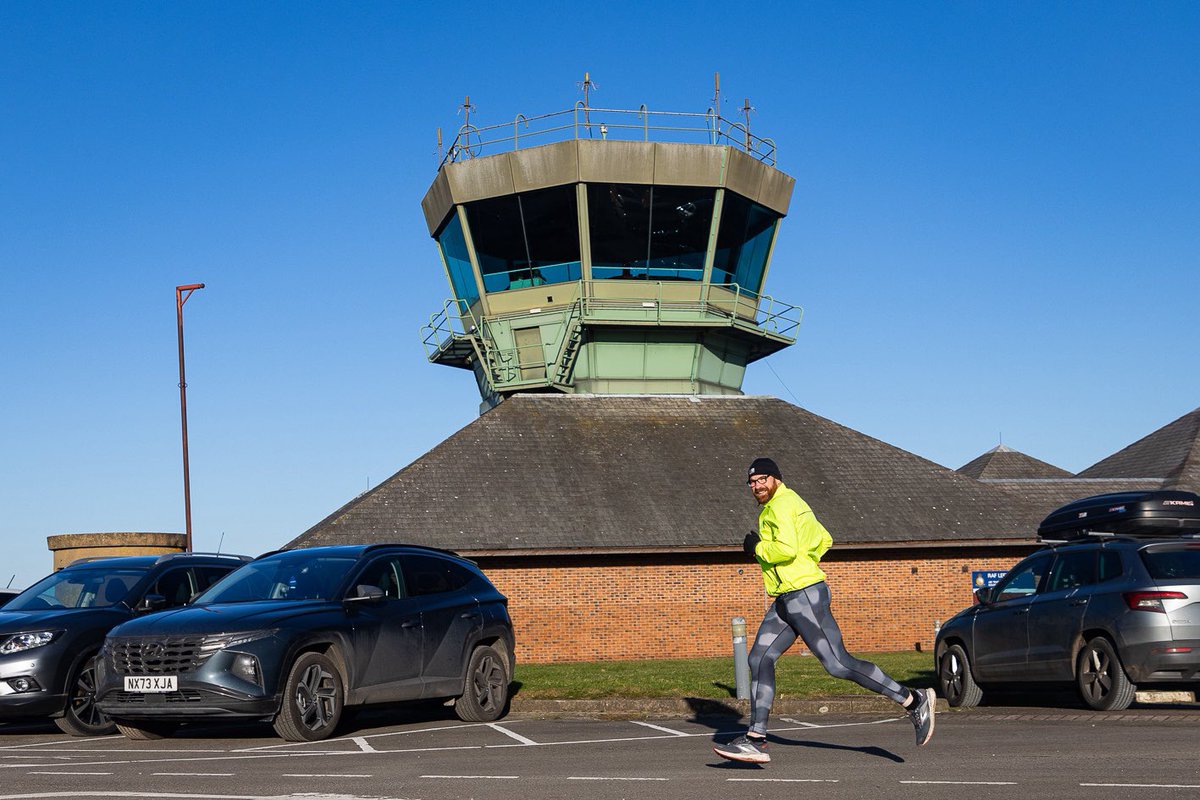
<point x="51" y="633"/>
<point x="1110" y="604"/>
<point x="7" y="594"/>
<point x="296" y="636"/>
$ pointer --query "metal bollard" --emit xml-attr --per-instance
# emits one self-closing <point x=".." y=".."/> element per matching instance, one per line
<point x="741" y="664"/>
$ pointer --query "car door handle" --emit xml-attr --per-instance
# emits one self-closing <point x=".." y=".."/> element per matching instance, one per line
<point x="410" y="623"/>
<point x="1082" y="602"/>
<point x="470" y="615"/>
<point x="1020" y="611"/>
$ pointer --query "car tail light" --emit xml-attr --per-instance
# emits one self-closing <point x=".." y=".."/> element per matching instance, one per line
<point x="1151" y="601"/>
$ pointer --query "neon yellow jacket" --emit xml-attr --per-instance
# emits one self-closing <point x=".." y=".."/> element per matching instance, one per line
<point x="791" y="543"/>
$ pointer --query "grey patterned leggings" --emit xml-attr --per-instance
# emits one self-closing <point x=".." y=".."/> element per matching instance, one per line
<point x="805" y="613"/>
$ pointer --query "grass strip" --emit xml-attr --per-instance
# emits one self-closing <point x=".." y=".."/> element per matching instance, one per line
<point x="798" y="676"/>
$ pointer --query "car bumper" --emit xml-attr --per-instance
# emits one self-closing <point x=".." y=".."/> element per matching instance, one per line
<point x="31" y="704"/>
<point x="47" y="701"/>
<point x="190" y="702"/>
<point x="1163" y="662"/>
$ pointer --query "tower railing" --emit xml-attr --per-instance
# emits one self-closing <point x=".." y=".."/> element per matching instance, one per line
<point x="585" y="122"/>
<point x="455" y="333"/>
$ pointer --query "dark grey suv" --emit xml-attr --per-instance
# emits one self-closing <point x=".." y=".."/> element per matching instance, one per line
<point x="1113" y="607"/>
<point x="50" y="633"/>
<point x="296" y="636"/>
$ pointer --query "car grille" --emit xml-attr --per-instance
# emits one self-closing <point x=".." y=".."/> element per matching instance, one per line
<point x="161" y="654"/>
<point x="169" y="698"/>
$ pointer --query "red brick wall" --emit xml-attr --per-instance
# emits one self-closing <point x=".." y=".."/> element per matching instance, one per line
<point x="602" y="608"/>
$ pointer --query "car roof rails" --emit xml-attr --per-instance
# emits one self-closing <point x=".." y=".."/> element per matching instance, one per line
<point x="169" y="556"/>
<point x="89" y="559"/>
<point x="1146" y="514"/>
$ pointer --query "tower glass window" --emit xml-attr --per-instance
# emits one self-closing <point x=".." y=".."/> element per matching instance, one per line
<point x="619" y="220"/>
<point x="526" y="239"/>
<point x="458" y="262"/>
<point x="649" y="232"/>
<point x="743" y="242"/>
<point x="680" y="219"/>
<point x="551" y="225"/>
<point x="499" y="242"/>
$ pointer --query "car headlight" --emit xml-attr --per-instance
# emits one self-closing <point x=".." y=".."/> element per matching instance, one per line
<point x="27" y="641"/>
<point x="221" y="641"/>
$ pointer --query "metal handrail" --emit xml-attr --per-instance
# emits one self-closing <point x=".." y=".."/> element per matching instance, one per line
<point x="473" y="141"/>
<point x="440" y="332"/>
<point x="455" y="322"/>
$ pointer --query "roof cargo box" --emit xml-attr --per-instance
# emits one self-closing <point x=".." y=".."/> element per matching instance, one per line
<point x="1159" y="513"/>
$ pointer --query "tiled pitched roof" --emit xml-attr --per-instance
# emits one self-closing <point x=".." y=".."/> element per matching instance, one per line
<point x="579" y="472"/>
<point x="1004" y="462"/>
<point x="1171" y="453"/>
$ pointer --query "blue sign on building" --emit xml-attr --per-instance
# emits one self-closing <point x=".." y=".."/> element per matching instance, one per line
<point x="986" y="578"/>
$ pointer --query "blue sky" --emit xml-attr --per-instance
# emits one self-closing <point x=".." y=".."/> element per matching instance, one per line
<point x="993" y="233"/>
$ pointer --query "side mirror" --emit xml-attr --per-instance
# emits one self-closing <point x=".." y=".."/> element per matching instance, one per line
<point x="365" y="593"/>
<point x="983" y="596"/>
<point x="152" y="602"/>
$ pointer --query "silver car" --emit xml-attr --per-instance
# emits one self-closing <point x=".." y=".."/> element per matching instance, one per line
<point x="1107" y="612"/>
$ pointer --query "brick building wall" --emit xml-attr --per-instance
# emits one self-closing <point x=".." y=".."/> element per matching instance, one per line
<point x="602" y="608"/>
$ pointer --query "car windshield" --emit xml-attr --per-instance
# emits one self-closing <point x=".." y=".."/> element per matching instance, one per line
<point x="288" y="576"/>
<point x="97" y="587"/>
<point x="1177" y="562"/>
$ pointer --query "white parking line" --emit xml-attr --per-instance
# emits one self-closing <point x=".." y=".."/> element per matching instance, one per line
<point x="507" y="732"/>
<point x="47" y="772"/>
<point x="52" y="743"/>
<point x="476" y="777"/>
<point x="963" y="783"/>
<point x="801" y="723"/>
<point x="363" y="745"/>
<point x="196" y="774"/>
<point x="326" y="775"/>
<point x="659" y="728"/>
<point x="368" y="736"/>
<point x="1144" y="785"/>
<point x="602" y="778"/>
<point x="783" y="780"/>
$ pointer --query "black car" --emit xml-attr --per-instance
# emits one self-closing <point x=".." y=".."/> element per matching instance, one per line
<point x="1111" y="603"/>
<point x="296" y="636"/>
<point x="7" y="594"/>
<point x="51" y="632"/>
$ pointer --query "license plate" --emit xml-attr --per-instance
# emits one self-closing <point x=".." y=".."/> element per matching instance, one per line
<point x="151" y="683"/>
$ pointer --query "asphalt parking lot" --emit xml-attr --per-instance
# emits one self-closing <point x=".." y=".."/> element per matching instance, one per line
<point x="990" y="752"/>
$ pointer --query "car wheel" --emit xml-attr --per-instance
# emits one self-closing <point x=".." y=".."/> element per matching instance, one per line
<point x="1102" y="681"/>
<point x="143" y="730"/>
<point x="312" y="700"/>
<point x="80" y="716"/>
<point x="954" y="676"/>
<point x="485" y="696"/>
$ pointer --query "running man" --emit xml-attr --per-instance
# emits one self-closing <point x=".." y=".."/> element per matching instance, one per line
<point x="788" y="545"/>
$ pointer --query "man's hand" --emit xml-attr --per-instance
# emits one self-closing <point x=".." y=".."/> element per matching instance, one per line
<point x="750" y="542"/>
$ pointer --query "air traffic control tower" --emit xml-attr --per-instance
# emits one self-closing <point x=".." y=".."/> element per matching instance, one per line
<point x="608" y="251"/>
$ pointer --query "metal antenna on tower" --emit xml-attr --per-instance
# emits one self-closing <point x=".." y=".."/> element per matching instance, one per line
<point x="463" y="143"/>
<point x="715" y="133"/>
<point x="746" y="109"/>
<point x="439" y="145"/>
<point x="466" y="108"/>
<point x="587" y="85"/>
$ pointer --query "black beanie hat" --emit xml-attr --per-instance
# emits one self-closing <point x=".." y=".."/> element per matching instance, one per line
<point x="764" y="466"/>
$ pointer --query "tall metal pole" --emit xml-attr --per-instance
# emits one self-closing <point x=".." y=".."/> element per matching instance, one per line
<point x="182" y="293"/>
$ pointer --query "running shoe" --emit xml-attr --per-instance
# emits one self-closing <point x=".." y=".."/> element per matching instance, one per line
<point x="921" y="714"/>
<point x="744" y="748"/>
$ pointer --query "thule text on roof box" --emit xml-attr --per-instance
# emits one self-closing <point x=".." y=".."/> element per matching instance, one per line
<point x="1159" y="513"/>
